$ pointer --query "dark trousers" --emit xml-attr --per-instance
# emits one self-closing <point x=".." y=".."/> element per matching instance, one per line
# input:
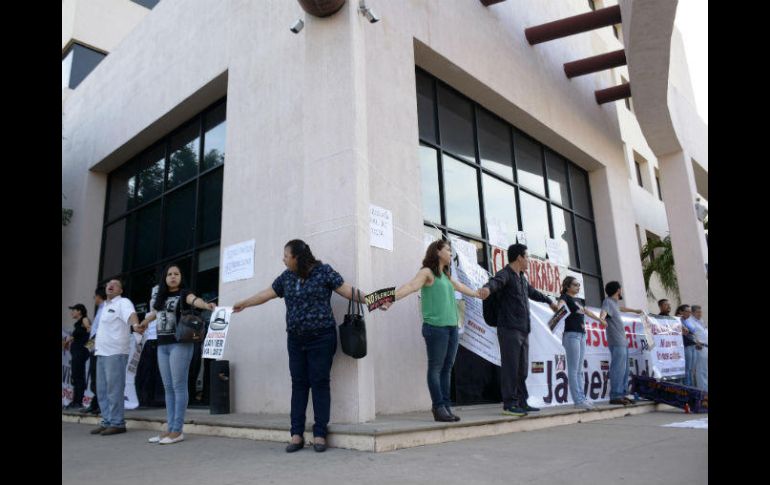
<point x="149" y="386"/>
<point x="80" y="356"/>
<point x="310" y="363"/>
<point x="92" y="378"/>
<point x="514" y="357"/>
<point x="441" y="344"/>
<point x="192" y="378"/>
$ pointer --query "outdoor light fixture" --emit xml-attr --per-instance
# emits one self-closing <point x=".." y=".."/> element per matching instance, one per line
<point x="297" y="26"/>
<point x="367" y="12"/>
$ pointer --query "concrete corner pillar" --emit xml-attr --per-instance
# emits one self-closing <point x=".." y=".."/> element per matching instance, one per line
<point x="688" y="239"/>
<point x="335" y="183"/>
<point x="616" y="233"/>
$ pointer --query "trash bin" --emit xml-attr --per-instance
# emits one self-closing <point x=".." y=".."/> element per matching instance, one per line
<point x="219" y="394"/>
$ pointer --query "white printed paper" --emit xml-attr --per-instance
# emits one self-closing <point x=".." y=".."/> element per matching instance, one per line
<point x="555" y="250"/>
<point x="380" y="227"/>
<point x="238" y="262"/>
<point x="498" y="236"/>
<point x="214" y="344"/>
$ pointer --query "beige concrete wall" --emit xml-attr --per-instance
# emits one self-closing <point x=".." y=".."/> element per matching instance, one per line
<point x="102" y="24"/>
<point x="321" y="124"/>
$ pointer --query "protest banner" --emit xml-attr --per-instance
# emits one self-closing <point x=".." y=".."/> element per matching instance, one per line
<point x="378" y="298"/>
<point x="214" y="344"/>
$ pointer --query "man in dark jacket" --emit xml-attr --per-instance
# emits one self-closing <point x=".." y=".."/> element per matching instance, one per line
<point x="513" y="327"/>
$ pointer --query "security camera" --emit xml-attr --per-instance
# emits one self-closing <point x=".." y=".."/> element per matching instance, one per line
<point x="371" y="16"/>
<point x="367" y="12"/>
<point x="297" y="26"/>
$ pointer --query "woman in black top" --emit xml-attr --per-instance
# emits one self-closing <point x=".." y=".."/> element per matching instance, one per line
<point x="79" y="352"/>
<point x="574" y="340"/>
<point x="173" y="356"/>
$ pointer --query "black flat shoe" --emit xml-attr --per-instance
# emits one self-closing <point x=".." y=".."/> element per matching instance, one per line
<point x="295" y="446"/>
<point x="451" y="414"/>
<point x="319" y="447"/>
<point x="440" y="414"/>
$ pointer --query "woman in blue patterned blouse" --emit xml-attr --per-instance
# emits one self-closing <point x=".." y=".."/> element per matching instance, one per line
<point x="307" y="286"/>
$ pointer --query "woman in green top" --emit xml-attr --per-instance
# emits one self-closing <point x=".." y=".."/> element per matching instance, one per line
<point x="439" y="314"/>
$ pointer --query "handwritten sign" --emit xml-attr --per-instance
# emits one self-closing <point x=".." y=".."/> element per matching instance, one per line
<point x="238" y="262"/>
<point x="380" y="227"/>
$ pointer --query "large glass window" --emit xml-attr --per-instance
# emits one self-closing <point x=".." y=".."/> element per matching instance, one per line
<point x="483" y="180"/>
<point x="514" y="183"/>
<point x="163" y="207"/>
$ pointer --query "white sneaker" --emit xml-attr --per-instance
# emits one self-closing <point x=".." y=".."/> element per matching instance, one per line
<point x="168" y="440"/>
<point x="585" y="405"/>
<point x="154" y="439"/>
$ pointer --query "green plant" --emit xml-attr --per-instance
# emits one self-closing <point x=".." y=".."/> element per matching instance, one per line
<point x="658" y="258"/>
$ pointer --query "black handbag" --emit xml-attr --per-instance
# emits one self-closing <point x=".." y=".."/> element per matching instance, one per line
<point x="353" y="330"/>
<point x="190" y="328"/>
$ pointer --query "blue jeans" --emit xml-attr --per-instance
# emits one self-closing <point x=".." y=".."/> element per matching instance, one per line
<point x="111" y="386"/>
<point x="689" y="361"/>
<point x="701" y="368"/>
<point x="310" y="365"/>
<point x="575" y="345"/>
<point x="441" y="344"/>
<point x="174" y="365"/>
<point x="618" y="371"/>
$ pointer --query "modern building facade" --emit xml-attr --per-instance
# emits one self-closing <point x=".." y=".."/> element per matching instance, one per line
<point x="210" y="123"/>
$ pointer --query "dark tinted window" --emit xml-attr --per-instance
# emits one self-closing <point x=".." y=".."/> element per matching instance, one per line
<point x="426" y="108"/>
<point x="79" y="62"/>
<point x="178" y="220"/>
<point x="149" y="178"/>
<point x="557" y="179"/>
<point x="456" y="124"/>
<point x="144" y="227"/>
<point x="495" y="145"/>
<point x="210" y="207"/>
<point x="215" y="128"/>
<point x="534" y="219"/>
<point x="579" y="184"/>
<point x="183" y="155"/>
<point x="587" y="245"/>
<point x="529" y="163"/>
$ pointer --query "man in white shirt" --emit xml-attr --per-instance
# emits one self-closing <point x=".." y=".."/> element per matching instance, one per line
<point x="699" y="332"/>
<point x="99" y="297"/>
<point x="112" y="347"/>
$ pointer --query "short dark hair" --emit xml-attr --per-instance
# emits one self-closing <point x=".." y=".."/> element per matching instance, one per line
<point x="611" y="288"/>
<point x="516" y="250"/>
<point x="660" y="302"/>
<point x="681" y="308"/>
<point x="695" y="308"/>
<point x="100" y="293"/>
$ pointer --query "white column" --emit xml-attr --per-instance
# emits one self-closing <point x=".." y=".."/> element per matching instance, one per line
<point x="616" y="233"/>
<point x="687" y="237"/>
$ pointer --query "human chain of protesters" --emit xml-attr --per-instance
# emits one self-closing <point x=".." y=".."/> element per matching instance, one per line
<point x="306" y="287"/>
